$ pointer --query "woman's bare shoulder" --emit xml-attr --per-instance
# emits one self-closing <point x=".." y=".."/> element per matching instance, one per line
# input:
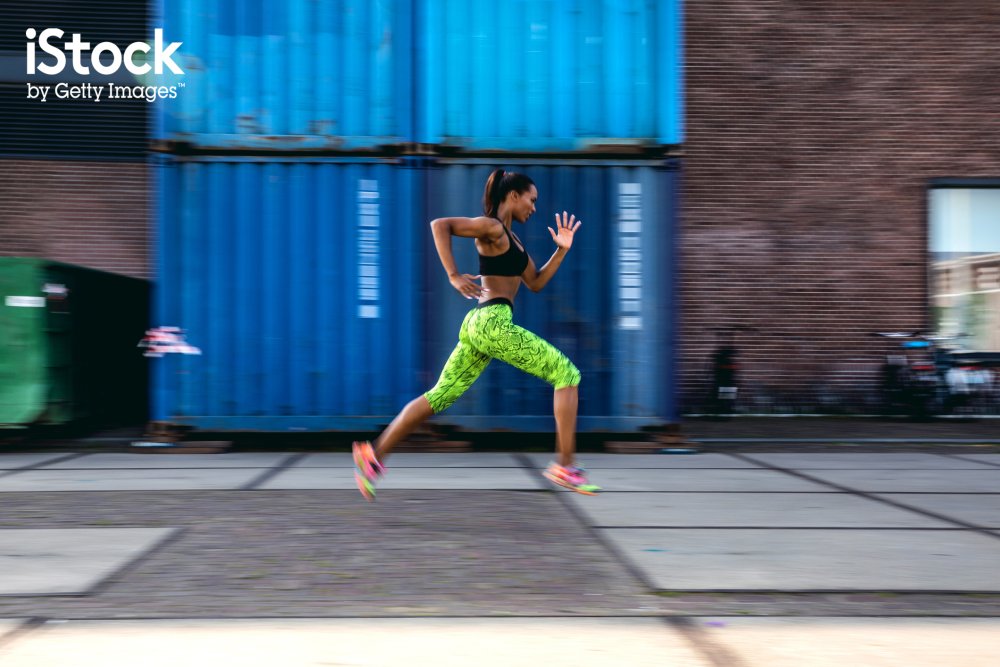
<point x="492" y="229"/>
<point x="482" y="227"/>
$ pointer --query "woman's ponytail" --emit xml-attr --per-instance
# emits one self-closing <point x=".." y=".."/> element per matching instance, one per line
<point x="491" y="194"/>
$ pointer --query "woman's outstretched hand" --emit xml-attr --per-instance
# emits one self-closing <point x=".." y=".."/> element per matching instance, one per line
<point x="564" y="237"/>
<point x="466" y="286"/>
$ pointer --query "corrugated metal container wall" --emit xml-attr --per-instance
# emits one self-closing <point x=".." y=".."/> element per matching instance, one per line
<point x="295" y="279"/>
<point x="62" y="127"/>
<point x="270" y="75"/>
<point x="610" y="307"/>
<point x="542" y="75"/>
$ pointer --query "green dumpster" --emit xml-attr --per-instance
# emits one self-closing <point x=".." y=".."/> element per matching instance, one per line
<point x="68" y="338"/>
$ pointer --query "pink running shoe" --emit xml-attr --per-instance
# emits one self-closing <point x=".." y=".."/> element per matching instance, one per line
<point x="367" y="468"/>
<point x="571" y="477"/>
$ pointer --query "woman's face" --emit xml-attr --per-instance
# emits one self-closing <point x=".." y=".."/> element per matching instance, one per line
<point x="524" y="203"/>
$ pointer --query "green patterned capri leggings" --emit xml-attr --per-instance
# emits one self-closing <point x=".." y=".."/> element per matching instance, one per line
<point x="487" y="333"/>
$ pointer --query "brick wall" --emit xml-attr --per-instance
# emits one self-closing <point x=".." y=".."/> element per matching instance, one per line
<point x="93" y="214"/>
<point x="812" y="132"/>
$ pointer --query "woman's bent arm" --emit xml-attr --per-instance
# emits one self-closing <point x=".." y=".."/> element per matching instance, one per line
<point x="443" y="229"/>
<point x="537" y="279"/>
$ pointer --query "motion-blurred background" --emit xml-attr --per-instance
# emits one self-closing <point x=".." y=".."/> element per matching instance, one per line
<point x="763" y="185"/>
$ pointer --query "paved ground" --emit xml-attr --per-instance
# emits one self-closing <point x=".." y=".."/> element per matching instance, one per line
<point x="862" y="558"/>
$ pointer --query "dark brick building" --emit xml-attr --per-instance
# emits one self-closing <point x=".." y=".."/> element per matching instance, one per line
<point x="94" y="214"/>
<point x="812" y="132"/>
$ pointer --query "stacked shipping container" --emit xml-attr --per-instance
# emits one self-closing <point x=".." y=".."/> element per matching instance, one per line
<point x="524" y="75"/>
<point x="294" y="247"/>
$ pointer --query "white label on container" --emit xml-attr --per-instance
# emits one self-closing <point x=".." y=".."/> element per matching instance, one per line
<point x="26" y="301"/>
<point x="629" y="255"/>
<point x="369" y="219"/>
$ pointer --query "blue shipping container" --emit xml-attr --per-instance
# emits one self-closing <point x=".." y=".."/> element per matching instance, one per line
<point x="318" y="301"/>
<point x="295" y="280"/>
<point x="522" y="75"/>
<point x="610" y="307"/>
<point x="268" y="75"/>
<point x="549" y="75"/>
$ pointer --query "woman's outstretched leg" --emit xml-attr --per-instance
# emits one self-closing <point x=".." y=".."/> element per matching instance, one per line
<point x="369" y="460"/>
<point x="462" y="368"/>
<point x="406" y="422"/>
<point x="499" y="337"/>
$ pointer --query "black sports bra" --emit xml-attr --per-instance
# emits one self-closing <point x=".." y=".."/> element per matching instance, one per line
<point x="511" y="263"/>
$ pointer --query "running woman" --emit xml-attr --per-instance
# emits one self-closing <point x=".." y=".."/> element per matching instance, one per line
<point x="488" y="331"/>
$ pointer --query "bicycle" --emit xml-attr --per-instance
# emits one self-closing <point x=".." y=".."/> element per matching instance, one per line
<point x="929" y="378"/>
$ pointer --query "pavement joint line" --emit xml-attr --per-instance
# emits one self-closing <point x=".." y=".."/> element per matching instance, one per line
<point x="7" y="597"/>
<point x="365" y="616"/>
<point x="716" y="653"/>
<point x="288" y="490"/>
<point x="42" y="464"/>
<point x="173" y="536"/>
<point x="691" y="469"/>
<point x="28" y="626"/>
<point x="658" y="614"/>
<point x="906" y="469"/>
<point x="345" y="616"/>
<point x="616" y="553"/>
<point x="963" y="458"/>
<point x="941" y="493"/>
<point x="157" y="469"/>
<point x="830" y="591"/>
<point x="272" y="472"/>
<point x="812" y="493"/>
<point x="402" y="489"/>
<point x="880" y="528"/>
<point x="873" y="496"/>
<point x="848" y="441"/>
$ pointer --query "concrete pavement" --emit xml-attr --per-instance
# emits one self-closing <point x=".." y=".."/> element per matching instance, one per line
<point x="843" y="558"/>
<point x="458" y="642"/>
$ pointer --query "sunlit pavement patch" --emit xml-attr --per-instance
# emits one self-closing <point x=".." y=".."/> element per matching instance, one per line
<point x="449" y="642"/>
<point x="129" y="480"/>
<point x="610" y="461"/>
<point x="701" y="480"/>
<point x="863" y="461"/>
<point x="15" y="461"/>
<point x="416" y="460"/>
<point x="811" y="560"/>
<point x="985" y="458"/>
<point x="977" y="509"/>
<point x="159" y="461"/>
<point x="9" y="625"/>
<point x="68" y="561"/>
<point x="867" y="642"/>
<point x="771" y="510"/>
<point x="411" y="478"/>
<point x="917" y="481"/>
